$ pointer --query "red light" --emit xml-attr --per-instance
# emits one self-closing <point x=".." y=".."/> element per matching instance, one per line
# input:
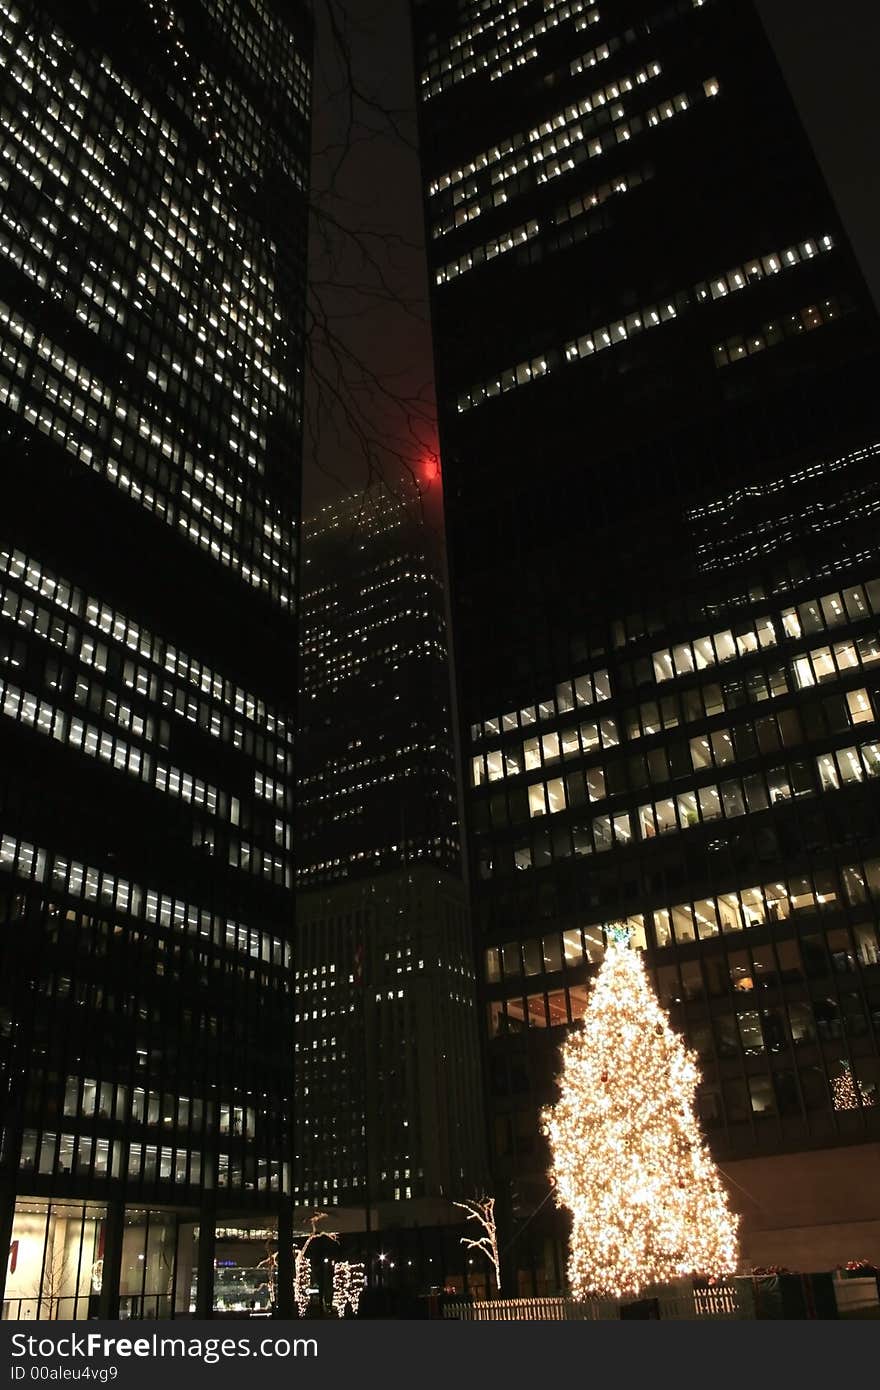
<point x="430" y="468"/>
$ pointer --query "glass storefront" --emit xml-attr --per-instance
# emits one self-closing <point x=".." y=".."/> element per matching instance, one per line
<point x="245" y="1271"/>
<point x="158" y="1278"/>
<point x="56" y="1259"/>
<point x="56" y="1264"/>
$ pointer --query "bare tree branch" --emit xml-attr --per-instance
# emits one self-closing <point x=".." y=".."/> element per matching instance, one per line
<point x="363" y="412"/>
<point x="482" y="1210"/>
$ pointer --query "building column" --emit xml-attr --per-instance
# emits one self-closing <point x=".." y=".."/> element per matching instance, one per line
<point x="7" y="1217"/>
<point x="207" y="1244"/>
<point x="515" y="1253"/>
<point x="284" y="1268"/>
<point x="111" y="1269"/>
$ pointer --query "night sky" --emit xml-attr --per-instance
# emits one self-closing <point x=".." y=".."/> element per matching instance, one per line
<point x="829" y="54"/>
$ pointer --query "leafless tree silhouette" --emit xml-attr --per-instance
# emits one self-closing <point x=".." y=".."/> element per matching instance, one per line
<point x="367" y="421"/>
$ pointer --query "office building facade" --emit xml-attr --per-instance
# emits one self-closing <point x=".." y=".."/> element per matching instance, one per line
<point x="655" y="360"/>
<point x="377" y="786"/>
<point x="390" y="1127"/>
<point x="152" y="278"/>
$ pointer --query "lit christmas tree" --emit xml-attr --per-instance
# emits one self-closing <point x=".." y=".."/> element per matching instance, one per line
<point x="843" y="1090"/>
<point x="629" y="1161"/>
<point x="844" y="1093"/>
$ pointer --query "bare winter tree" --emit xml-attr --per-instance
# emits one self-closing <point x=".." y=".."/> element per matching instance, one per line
<point x="302" y="1265"/>
<point x="369" y="414"/>
<point x="54" y="1284"/>
<point x="482" y="1210"/>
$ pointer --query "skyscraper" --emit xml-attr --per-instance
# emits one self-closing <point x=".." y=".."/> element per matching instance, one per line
<point x="389" y="1124"/>
<point x="656" y="365"/>
<point x="152" y="272"/>
<point x="377" y="781"/>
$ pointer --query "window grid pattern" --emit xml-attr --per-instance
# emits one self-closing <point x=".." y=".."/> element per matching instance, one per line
<point x="139" y="707"/>
<point x="653" y="315"/>
<point x="188" y="265"/>
<point x="746" y="998"/>
<point x="177" y="939"/>
<point x="152" y="247"/>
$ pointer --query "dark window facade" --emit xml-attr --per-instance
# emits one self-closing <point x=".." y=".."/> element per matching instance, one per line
<point x="387" y="1052"/>
<point x="655" y="356"/>
<point x="152" y="264"/>
<point x="376" y="781"/>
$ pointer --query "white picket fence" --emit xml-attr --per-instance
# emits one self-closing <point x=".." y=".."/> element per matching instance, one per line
<point x="529" y="1310"/>
<point x="678" y="1302"/>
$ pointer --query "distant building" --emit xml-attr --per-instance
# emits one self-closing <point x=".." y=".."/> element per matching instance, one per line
<point x="376" y="765"/>
<point x="657" y="368"/>
<point x="385" y="1000"/>
<point x="389" y="1117"/>
<point x="152" y="297"/>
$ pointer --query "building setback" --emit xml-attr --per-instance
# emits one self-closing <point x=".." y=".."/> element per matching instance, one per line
<point x="656" y="368"/>
<point x="389" y="1125"/>
<point x="152" y="271"/>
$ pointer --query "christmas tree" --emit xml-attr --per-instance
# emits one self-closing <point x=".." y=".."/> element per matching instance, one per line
<point x="843" y="1090"/>
<point x="844" y="1094"/>
<point x="629" y="1161"/>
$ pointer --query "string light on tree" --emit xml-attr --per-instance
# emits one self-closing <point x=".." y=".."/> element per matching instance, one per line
<point x="483" y="1211"/>
<point x="348" y="1285"/>
<point x="270" y="1264"/>
<point x="629" y="1161"/>
<point x="844" y="1092"/>
<point x="302" y="1280"/>
<point x="302" y="1265"/>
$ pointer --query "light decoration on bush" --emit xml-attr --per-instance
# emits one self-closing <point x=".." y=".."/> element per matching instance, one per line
<point x="348" y="1285"/>
<point x="482" y="1209"/>
<point x="302" y="1265"/>
<point x="629" y="1161"/>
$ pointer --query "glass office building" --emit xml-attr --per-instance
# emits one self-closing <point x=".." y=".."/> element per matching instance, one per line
<point x="154" y="169"/>
<point x="389" y="1126"/>
<point x="656" y="366"/>
<point x="377" y="785"/>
